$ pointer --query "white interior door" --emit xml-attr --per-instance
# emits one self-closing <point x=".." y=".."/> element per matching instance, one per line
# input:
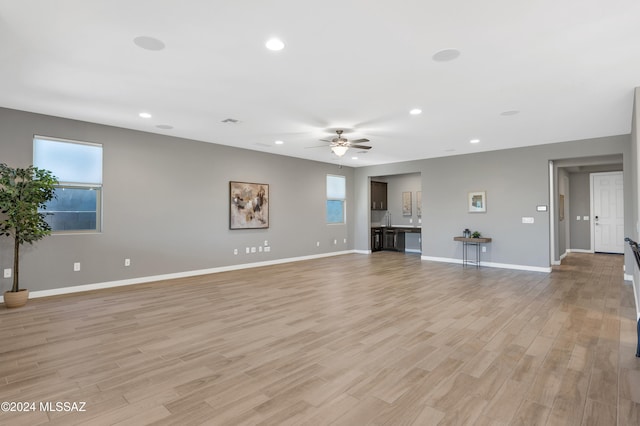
<point x="607" y="212"/>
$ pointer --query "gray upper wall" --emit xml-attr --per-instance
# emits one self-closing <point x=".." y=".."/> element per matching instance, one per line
<point x="166" y="206"/>
<point x="166" y="203"/>
<point x="516" y="181"/>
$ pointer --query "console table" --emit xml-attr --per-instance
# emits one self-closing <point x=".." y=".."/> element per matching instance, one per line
<point x="466" y="242"/>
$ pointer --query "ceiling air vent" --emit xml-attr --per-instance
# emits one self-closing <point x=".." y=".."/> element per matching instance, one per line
<point x="229" y="120"/>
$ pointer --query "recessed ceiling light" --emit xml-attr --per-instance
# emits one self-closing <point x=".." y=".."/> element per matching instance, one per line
<point x="274" y="44"/>
<point x="474" y="141"/>
<point x="145" y="115"/>
<point x="446" y="55"/>
<point x="148" y="43"/>
<point x="279" y="142"/>
<point x="415" y="111"/>
<point x="512" y="112"/>
<point x="164" y="126"/>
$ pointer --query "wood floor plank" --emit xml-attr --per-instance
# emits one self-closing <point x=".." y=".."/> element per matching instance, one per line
<point x="380" y="339"/>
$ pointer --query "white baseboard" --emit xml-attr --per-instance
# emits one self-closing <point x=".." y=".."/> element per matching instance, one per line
<point x="413" y="251"/>
<point x="142" y="280"/>
<point x="580" y="251"/>
<point x="491" y="264"/>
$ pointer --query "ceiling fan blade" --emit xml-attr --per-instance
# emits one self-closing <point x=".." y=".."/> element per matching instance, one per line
<point x="359" y="141"/>
<point x="325" y="140"/>
<point x="359" y="146"/>
<point x="315" y="146"/>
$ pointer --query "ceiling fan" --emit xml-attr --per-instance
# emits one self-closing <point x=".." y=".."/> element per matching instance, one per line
<point x="340" y="145"/>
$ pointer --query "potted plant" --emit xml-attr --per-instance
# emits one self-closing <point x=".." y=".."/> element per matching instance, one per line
<point x="23" y="191"/>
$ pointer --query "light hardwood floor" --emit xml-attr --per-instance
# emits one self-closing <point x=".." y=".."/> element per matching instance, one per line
<point x="351" y="340"/>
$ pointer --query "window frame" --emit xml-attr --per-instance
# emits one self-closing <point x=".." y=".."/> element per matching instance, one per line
<point x="342" y="200"/>
<point x="78" y="185"/>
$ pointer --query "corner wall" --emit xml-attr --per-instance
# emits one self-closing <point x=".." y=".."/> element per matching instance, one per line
<point x="635" y="199"/>
<point x="516" y="181"/>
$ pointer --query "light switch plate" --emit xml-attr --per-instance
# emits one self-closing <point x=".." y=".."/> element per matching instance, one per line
<point x="585" y="217"/>
<point x="527" y="220"/>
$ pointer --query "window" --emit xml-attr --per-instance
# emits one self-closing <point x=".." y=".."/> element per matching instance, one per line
<point x="336" y="194"/>
<point x="78" y="167"/>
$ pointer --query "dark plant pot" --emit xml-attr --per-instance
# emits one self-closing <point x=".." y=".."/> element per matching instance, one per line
<point x="16" y="299"/>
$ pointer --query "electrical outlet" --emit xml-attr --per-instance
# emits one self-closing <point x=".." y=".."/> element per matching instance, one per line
<point x="411" y="220"/>
<point x="235" y="251"/>
<point x="253" y="249"/>
<point x="317" y="243"/>
<point x="484" y="249"/>
<point x="248" y="250"/>
<point x="267" y="249"/>
<point x="260" y="249"/>
<point x="7" y="273"/>
<point x="76" y="266"/>
<point x="577" y="217"/>
<point x="127" y="262"/>
<point x="335" y="242"/>
<point x="345" y="241"/>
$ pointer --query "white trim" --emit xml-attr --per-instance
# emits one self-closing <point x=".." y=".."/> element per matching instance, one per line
<point x="556" y="262"/>
<point x="413" y="250"/>
<point x="580" y="251"/>
<point x="491" y="264"/>
<point x="141" y="280"/>
<point x="552" y="215"/>
<point x="563" y="255"/>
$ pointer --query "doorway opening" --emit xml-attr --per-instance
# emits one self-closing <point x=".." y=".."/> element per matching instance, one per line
<point x="574" y="207"/>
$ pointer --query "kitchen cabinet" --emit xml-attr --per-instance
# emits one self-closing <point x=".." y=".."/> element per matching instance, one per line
<point x="379" y="195"/>
<point x="393" y="239"/>
<point x="376" y="239"/>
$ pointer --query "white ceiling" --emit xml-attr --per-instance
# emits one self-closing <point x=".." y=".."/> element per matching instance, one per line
<point x="569" y="67"/>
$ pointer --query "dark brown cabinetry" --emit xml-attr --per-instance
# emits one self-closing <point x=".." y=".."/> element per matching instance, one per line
<point x="393" y="239"/>
<point x="378" y="195"/>
<point x="376" y="239"/>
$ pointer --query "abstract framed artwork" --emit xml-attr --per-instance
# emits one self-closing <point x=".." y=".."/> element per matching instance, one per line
<point x="477" y="202"/>
<point x="248" y="205"/>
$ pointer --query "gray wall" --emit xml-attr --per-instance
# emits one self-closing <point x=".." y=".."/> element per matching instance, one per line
<point x="516" y="181"/>
<point x="165" y="206"/>
<point x="165" y="203"/>
<point x="579" y="184"/>
<point x="630" y="265"/>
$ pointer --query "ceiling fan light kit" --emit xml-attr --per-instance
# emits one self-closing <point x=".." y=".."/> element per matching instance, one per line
<point x="339" y="146"/>
<point x="339" y="150"/>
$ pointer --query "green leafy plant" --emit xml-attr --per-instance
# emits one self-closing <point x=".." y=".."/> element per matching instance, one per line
<point x="476" y="234"/>
<point x="23" y="191"/>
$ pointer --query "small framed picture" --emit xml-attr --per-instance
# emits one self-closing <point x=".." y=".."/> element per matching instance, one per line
<point x="406" y="204"/>
<point x="478" y="202"/>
